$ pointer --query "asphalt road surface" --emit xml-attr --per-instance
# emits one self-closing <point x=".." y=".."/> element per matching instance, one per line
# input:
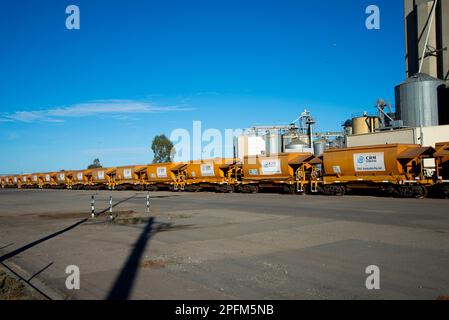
<point x="225" y="246"/>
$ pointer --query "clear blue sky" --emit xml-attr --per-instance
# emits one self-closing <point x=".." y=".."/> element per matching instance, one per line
<point x="139" y="68"/>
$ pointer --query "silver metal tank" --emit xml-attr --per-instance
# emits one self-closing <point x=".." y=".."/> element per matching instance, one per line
<point x="318" y="148"/>
<point x="417" y="100"/>
<point x="297" y="146"/>
<point x="273" y="144"/>
<point x="287" y="139"/>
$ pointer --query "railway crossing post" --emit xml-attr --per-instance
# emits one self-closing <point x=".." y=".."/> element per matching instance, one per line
<point x="148" y="202"/>
<point x="92" y="206"/>
<point x="110" y="207"/>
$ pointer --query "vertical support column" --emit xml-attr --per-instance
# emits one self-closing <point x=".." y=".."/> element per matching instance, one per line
<point x="148" y="202"/>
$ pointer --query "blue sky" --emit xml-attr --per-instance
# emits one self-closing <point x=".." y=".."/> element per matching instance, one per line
<point x="139" y="68"/>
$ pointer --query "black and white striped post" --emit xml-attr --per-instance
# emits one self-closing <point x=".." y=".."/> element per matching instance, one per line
<point x="148" y="202"/>
<point x="92" y="206"/>
<point x="110" y="207"/>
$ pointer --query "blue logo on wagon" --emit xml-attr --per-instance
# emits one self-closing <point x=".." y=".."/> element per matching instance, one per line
<point x="361" y="159"/>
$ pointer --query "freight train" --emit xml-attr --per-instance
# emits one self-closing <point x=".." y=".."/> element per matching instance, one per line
<point x="404" y="170"/>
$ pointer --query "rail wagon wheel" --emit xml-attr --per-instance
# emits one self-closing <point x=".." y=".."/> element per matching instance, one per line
<point x="406" y="191"/>
<point x="306" y="190"/>
<point x="289" y="189"/>
<point x="340" y="191"/>
<point x="253" y="189"/>
<point x="392" y="191"/>
<point x="445" y="192"/>
<point x="420" y="192"/>
<point x="328" y="190"/>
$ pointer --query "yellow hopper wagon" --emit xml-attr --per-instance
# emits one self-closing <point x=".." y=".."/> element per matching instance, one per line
<point x="79" y="179"/>
<point x="162" y="176"/>
<point x="48" y="180"/>
<point x="36" y="180"/>
<point x="215" y="174"/>
<point x="397" y="169"/>
<point x="99" y="178"/>
<point x="27" y="181"/>
<point x="9" y="182"/>
<point x="61" y="180"/>
<point x="288" y="172"/>
<point x="4" y="181"/>
<point x="128" y="177"/>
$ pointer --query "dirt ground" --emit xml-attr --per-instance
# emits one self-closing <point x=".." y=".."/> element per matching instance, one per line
<point x="11" y="288"/>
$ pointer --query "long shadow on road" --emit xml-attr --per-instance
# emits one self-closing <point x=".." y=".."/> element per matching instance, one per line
<point x="124" y="282"/>
<point x="35" y="243"/>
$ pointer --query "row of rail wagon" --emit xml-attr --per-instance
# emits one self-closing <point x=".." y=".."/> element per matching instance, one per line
<point x="395" y="169"/>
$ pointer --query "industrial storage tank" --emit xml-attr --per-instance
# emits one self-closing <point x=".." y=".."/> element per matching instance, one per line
<point x="318" y="148"/>
<point x="418" y="100"/>
<point x="297" y="146"/>
<point x="365" y="124"/>
<point x="273" y="144"/>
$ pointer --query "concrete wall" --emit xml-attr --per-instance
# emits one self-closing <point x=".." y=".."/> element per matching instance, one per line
<point x="431" y="136"/>
<point x="406" y="136"/>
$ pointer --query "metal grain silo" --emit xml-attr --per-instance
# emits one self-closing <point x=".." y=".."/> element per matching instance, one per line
<point x="319" y="147"/>
<point x="273" y="144"/>
<point x="417" y="100"/>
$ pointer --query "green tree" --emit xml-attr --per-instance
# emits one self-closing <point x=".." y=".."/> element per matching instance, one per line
<point x="163" y="149"/>
<point x="96" y="164"/>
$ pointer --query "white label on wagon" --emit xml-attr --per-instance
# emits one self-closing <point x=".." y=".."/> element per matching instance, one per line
<point x="369" y="162"/>
<point x="61" y="176"/>
<point x="207" y="170"/>
<point x="79" y="176"/>
<point x="47" y="177"/>
<point x="271" y="167"/>
<point x="15" y="179"/>
<point x="100" y="175"/>
<point x="161" y="172"/>
<point x="253" y="172"/>
<point x="35" y="178"/>
<point x="127" y="173"/>
<point x="24" y="179"/>
<point x="337" y="169"/>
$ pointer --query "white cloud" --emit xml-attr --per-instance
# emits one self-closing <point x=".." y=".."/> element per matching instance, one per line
<point x="90" y="109"/>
